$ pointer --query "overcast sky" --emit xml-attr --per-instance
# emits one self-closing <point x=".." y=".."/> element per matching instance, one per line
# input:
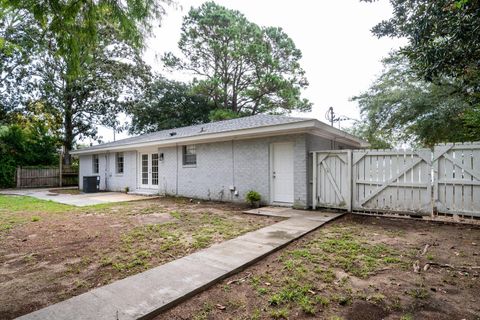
<point x="341" y="57"/>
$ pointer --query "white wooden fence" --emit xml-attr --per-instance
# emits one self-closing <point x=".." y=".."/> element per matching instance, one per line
<point x="419" y="182"/>
<point x="457" y="178"/>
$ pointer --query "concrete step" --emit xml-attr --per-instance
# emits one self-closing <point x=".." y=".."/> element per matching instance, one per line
<point x="145" y="192"/>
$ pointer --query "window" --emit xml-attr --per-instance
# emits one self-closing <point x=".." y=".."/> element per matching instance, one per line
<point x="145" y="169"/>
<point x="155" y="169"/>
<point x="95" y="163"/>
<point x="119" y="162"/>
<point x="189" y="155"/>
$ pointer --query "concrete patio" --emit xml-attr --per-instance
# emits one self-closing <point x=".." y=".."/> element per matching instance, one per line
<point x="145" y="295"/>
<point x="79" y="200"/>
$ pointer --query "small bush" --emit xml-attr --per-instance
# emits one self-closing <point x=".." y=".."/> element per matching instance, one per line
<point x="252" y="196"/>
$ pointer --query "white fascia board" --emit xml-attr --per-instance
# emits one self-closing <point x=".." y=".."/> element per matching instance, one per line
<point x="326" y="131"/>
<point x="288" y="128"/>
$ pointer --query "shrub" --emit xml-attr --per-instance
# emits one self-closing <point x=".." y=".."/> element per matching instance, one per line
<point x="252" y="197"/>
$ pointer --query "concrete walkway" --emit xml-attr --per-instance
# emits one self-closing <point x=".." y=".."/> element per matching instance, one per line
<point x="144" y="295"/>
<point x="79" y="200"/>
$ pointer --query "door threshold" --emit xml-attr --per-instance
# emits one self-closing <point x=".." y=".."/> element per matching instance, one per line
<point x="282" y="204"/>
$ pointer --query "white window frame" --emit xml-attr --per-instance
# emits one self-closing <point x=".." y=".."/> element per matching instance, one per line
<point x="118" y="156"/>
<point x="189" y="151"/>
<point x="95" y="163"/>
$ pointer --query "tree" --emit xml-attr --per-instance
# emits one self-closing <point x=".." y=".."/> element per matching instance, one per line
<point x="240" y="66"/>
<point x="375" y="138"/>
<point x="401" y="108"/>
<point x="443" y="45"/>
<point x="31" y="140"/>
<point x="443" y="37"/>
<point x="86" y="65"/>
<point x="168" y="104"/>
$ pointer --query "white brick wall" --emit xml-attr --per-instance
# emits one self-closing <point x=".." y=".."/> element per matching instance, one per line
<point x="244" y="164"/>
<point x="109" y="179"/>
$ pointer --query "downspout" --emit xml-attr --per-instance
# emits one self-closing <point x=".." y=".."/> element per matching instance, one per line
<point x="176" y="175"/>
<point x="106" y="171"/>
<point x="234" y="191"/>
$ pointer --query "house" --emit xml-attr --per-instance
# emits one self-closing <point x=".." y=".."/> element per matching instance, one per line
<point x="220" y="160"/>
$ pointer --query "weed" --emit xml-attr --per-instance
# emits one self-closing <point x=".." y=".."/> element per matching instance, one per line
<point x="323" y="301"/>
<point x="226" y="288"/>
<point x="262" y="291"/>
<point x="307" y="305"/>
<point x="326" y="275"/>
<point x="35" y="219"/>
<point x="279" y="314"/>
<point x="176" y="215"/>
<point x="419" y="293"/>
<point x="352" y="255"/>
<point x="256" y="315"/>
<point x="106" y="261"/>
<point x="203" y="314"/>
<point x="342" y="300"/>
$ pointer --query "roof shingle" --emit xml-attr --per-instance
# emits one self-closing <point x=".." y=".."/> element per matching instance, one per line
<point x="256" y="121"/>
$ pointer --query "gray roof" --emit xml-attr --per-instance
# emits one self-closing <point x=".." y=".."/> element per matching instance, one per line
<point x="255" y="121"/>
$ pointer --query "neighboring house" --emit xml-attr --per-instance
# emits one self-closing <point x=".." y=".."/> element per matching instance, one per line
<point x="220" y="160"/>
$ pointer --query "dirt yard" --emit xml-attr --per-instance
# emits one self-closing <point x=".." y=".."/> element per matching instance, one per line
<point x="50" y="252"/>
<point x="355" y="268"/>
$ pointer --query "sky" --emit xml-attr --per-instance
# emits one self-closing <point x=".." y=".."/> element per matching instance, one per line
<point x="341" y="56"/>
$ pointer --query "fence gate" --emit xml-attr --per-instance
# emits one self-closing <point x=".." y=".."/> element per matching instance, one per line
<point x="392" y="180"/>
<point x="332" y="179"/>
<point x="457" y="179"/>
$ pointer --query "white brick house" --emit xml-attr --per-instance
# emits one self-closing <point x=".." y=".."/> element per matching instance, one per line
<point x="219" y="160"/>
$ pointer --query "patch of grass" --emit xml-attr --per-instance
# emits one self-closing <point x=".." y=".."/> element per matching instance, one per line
<point x="203" y="314"/>
<point x="342" y="300"/>
<point x="326" y="275"/>
<point x="353" y="254"/>
<point x="323" y="301"/>
<point x="406" y="317"/>
<point x="279" y="314"/>
<point x="28" y="204"/>
<point x="12" y="209"/>
<point x="419" y="293"/>
<point x="175" y="214"/>
<point x="307" y="305"/>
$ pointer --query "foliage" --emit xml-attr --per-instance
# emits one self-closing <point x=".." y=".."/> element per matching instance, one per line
<point x="241" y="66"/>
<point x="399" y="107"/>
<point x="443" y="39"/>
<point x="443" y="49"/>
<point x="81" y="59"/>
<point x="29" y="144"/>
<point x="376" y="139"/>
<point x="252" y="196"/>
<point x="168" y="104"/>
<point x="222" y="114"/>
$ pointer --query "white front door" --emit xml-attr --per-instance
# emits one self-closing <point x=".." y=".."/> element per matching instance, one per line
<point x="282" y="172"/>
<point x="148" y="170"/>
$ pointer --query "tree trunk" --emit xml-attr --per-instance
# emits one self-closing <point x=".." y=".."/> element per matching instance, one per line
<point x="68" y="126"/>
<point x="68" y="139"/>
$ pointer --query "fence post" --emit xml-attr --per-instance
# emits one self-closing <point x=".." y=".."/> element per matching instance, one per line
<point x="314" y="178"/>
<point x="60" y="165"/>
<point x="349" y="179"/>
<point x="19" y="177"/>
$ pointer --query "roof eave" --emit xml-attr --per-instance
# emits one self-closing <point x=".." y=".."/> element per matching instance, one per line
<point x="340" y="135"/>
<point x="300" y="126"/>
